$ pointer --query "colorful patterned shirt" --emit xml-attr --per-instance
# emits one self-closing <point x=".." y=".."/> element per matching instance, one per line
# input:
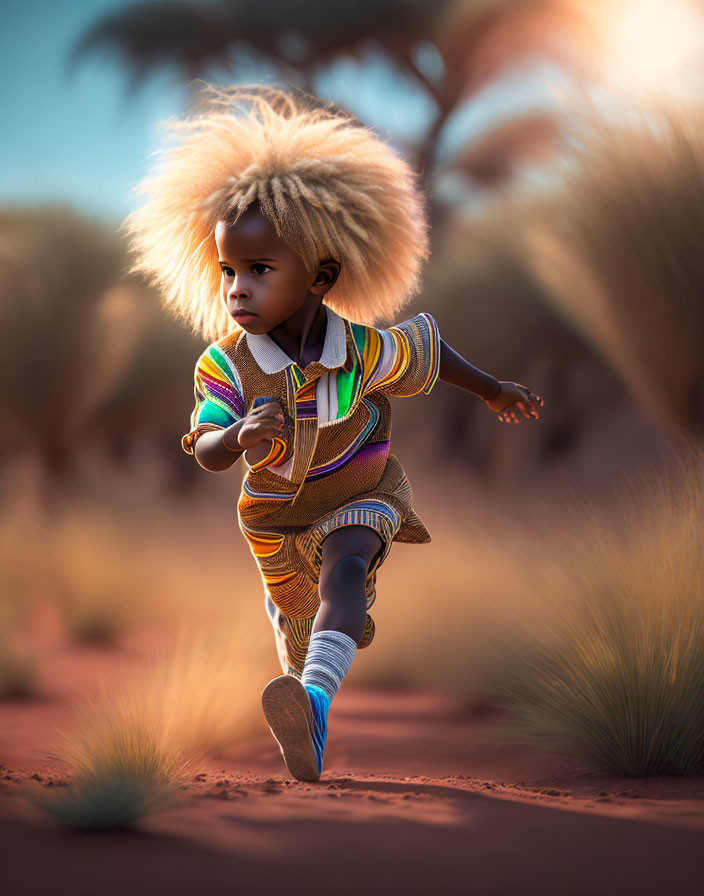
<point x="335" y="443"/>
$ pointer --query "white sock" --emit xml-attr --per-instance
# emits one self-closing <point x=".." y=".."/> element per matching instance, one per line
<point x="329" y="657"/>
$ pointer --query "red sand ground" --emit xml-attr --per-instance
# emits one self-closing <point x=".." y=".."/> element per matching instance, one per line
<point x="414" y="797"/>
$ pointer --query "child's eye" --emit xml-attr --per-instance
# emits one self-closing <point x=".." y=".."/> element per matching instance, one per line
<point x="257" y="268"/>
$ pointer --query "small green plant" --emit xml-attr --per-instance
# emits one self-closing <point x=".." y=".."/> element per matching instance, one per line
<point x="116" y="796"/>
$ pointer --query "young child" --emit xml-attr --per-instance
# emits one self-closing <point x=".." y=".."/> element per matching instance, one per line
<point x="280" y="229"/>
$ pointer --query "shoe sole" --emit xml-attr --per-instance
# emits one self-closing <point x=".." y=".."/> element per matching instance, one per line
<point x="287" y="709"/>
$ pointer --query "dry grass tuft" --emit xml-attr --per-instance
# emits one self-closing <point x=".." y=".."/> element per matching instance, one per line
<point x="617" y="677"/>
<point x="132" y="749"/>
<point x="114" y="801"/>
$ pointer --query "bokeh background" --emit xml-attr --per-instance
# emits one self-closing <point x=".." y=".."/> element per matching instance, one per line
<point x="561" y="148"/>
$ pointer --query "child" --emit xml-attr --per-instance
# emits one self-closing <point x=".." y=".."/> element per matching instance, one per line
<point x="277" y="203"/>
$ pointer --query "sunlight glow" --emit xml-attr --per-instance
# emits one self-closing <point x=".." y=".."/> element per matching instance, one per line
<point x="650" y="46"/>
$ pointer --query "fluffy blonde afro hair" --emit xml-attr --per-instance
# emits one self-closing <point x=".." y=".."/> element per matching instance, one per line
<point x="331" y="188"/>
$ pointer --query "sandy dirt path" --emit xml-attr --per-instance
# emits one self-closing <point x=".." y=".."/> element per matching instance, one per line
<point x="414" y="799"/>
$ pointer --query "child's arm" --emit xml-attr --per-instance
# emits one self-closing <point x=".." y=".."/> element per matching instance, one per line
<point x="502" y="397"/>
<point x="408" y="358"/>
<point x="218" y="449"/>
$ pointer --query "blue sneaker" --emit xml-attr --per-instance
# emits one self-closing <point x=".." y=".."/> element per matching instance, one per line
<point x="297" y="717"/>
<point x="320" y="704"/>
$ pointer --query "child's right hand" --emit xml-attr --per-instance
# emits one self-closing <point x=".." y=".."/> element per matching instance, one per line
<point x="262" y="422"/>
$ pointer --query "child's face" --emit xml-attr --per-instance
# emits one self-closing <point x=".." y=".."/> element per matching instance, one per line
<point x="261" y="274"/>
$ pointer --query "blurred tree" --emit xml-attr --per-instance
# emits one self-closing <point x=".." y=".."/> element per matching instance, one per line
<point x="501" y="317"/>
<point x="152" y="400"/>
<point x="55" y="266"/>
<point x="493" y="157"/>
<point x="72" y="328"/>
<point x="450" y="48"/>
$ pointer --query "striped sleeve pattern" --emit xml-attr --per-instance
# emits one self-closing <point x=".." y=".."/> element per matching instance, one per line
<point x="275" y="457"/>
<point x="218" y="393"/>
<point x="403" y="360"/>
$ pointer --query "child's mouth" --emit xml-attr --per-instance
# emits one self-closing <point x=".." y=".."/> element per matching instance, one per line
<point x="243" y="316"/>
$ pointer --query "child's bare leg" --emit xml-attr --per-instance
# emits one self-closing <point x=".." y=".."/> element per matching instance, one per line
<point x="347" y="554"/>
<point x="297" y="712"/>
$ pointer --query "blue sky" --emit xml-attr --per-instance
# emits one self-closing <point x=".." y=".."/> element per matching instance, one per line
<point x="82" y="139"/>
<point x="78" y="139"/>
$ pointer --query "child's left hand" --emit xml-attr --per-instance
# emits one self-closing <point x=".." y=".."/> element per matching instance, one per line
<point x="514" y="397"/>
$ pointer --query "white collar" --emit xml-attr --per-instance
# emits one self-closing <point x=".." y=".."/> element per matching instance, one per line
<point x="271" y="358"/>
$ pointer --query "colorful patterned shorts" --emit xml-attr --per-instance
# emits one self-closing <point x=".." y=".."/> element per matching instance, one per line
<point x="289" y="560"/>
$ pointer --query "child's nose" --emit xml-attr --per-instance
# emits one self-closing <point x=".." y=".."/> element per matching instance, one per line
<point x="239" y="290"/>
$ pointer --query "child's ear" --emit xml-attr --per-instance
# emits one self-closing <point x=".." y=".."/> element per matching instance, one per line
<point x="327" y="275"/>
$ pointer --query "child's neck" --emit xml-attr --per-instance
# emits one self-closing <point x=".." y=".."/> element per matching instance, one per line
<point x="302" y="335"/>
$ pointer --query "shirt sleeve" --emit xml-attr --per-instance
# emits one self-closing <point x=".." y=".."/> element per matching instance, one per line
<point x="403" y="360"/>
<point x="219" y="398"/>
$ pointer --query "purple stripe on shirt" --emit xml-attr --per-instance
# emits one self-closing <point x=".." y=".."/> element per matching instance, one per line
<point x="225" y="393"/>
<point x="366" y="453"/>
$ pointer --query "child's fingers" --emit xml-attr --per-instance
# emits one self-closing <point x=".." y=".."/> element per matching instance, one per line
<point x="268" y="411"/>
<point x="269" y="427"/>
<point x="527" y="409"/>
<point x="270" y="418"/>
<point x="532" y="400"/>
<point x="533" y="409"/>
<point x="274" y="426"/>
<point x="262" y="429"/>
<point x="529" y="406"/>
<point x="509" y="414"/>
<point x="504" y="414"/>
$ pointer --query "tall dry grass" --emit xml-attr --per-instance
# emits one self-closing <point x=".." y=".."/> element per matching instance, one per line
<point x="133" y="749"/>
<point x="617" y="246"/>
<point x="138" y="565"/>
<point x="616" y="677"/>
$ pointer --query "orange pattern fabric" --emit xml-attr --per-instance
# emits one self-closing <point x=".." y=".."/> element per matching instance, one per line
<point x="332" y="465"/>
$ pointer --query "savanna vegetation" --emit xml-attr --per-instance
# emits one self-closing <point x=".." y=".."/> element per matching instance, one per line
<point x="583" y="627"/>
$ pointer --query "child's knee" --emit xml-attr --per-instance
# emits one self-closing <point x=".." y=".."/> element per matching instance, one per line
<point x="345" y="577"/>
